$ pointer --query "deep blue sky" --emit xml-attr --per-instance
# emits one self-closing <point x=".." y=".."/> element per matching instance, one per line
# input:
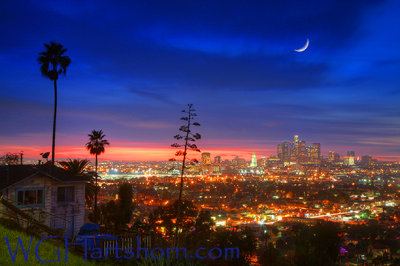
<point x="135" y="64"/>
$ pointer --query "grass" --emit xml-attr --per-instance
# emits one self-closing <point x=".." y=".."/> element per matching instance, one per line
<point x="47" y="250"/>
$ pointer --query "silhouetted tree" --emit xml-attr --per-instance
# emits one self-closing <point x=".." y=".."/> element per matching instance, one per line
<point x="96" y="146"/>
<point x="202" y="231"/>
<point x="108" y="214"/>
<point x="75" y="166"/>
<point x="9" y="158"/>
<point x="271" y="256"/>
<point x="125" y="195"/>
<point x="53" y="62"/>
<point x="117" y="213"/>
<point x="188" y="138"/>
<point x="244" y="240"/>
<point x="317" y="245"/>
<point x="204" y="223"/>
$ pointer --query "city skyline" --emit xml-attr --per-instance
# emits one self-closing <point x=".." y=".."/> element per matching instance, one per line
<point x="313" y="151"/>
<point x="134" y="68"/>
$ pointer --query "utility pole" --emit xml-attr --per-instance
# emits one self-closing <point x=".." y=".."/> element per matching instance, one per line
<point x="21" y="156"/>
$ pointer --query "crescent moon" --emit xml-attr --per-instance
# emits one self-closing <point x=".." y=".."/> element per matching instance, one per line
<point x="302" y="49"/>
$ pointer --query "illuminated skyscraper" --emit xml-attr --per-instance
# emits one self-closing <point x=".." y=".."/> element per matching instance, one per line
<point x="294" y="148"/>
<point x="283" y="151"/>
<point x="308" y="151"/>
<point x="333" y="157"/>
<point x="261" y="161"/>
<point x="293" y="151"/>
<point x="296" y="151"/>
<point x="253" y="160"/>
<point x="205" y="158"/>
<point x="302" y="148"/>
<point x="235" y="161"/>
<point x="348" y="160"/>
<point x="366" y="160"/>
<point x="217" y="159"/>
<point x="280" y="151"/>
<point x="316" y="151"/>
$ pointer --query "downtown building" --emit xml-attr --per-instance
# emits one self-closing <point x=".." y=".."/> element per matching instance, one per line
<point x="208" y="167"/>
<point x="296" y="151"/>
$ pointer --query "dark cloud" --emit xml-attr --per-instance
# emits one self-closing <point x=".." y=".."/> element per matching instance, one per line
<point x="152" y="95"/>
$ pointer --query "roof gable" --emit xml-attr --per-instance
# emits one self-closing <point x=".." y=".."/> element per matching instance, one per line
<point x="12" y="174"/>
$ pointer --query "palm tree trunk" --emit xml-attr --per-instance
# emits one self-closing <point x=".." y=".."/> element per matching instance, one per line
<point x="53" y="145"/>
<point x="95" y="192"/>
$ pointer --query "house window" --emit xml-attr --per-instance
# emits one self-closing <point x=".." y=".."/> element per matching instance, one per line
<point x="66" y="194"/>
<point x="30" y="197"/>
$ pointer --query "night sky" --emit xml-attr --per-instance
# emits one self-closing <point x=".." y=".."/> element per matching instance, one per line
<point x="136" y="64"/>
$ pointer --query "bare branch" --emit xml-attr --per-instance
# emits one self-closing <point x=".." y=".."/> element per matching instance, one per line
<point x="184" y="129"/>
<point x="178" y="137"/>
<point x="193" y="146"/>
<point x="176" y="145"/>
<point x="197" y="136"/>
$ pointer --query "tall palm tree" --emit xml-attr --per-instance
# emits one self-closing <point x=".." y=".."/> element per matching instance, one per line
<point x="78" y="167"/>
<point x="96" y="146"/>
<point x="53" y="62"/>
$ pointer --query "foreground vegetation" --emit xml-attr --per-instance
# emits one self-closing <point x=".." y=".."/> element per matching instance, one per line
<point x="47" y="250"/>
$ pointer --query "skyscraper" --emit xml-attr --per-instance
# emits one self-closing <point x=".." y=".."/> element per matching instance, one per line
<point x="316" y="151"/>
<point x="217" y="159"/>
<point x="302" y="148"/>
<point x="293" y="151"/>
<point x="283" y="151"/>
<point x="366" y="160"/>
<point x="261" y="162"/>
<point x="333" y="157"/>
<point x="294" y="148"/>
<point x="280" y="151"/>
<point x="205" y="158"/>
<point x="308" y="151"/>
<point x="348" y="160"/>
<point x="296" y="151"/>
<point x="253" y="160"/>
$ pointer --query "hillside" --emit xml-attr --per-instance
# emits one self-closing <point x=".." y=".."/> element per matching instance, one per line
<point x="47" y="250"/>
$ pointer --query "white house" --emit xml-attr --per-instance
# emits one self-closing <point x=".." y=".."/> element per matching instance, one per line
<point x="47" y="193"/>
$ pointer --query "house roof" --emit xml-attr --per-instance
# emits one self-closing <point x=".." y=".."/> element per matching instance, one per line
<point x="11" y="174"/>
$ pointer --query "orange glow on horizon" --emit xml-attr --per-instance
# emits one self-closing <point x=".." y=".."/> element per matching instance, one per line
<point x="147" y="152"/>
<point x="117" y="153"/>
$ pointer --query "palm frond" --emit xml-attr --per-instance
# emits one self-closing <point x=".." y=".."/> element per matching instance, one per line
<point x="52" y="61"/>
<point x="96" y="144"/>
